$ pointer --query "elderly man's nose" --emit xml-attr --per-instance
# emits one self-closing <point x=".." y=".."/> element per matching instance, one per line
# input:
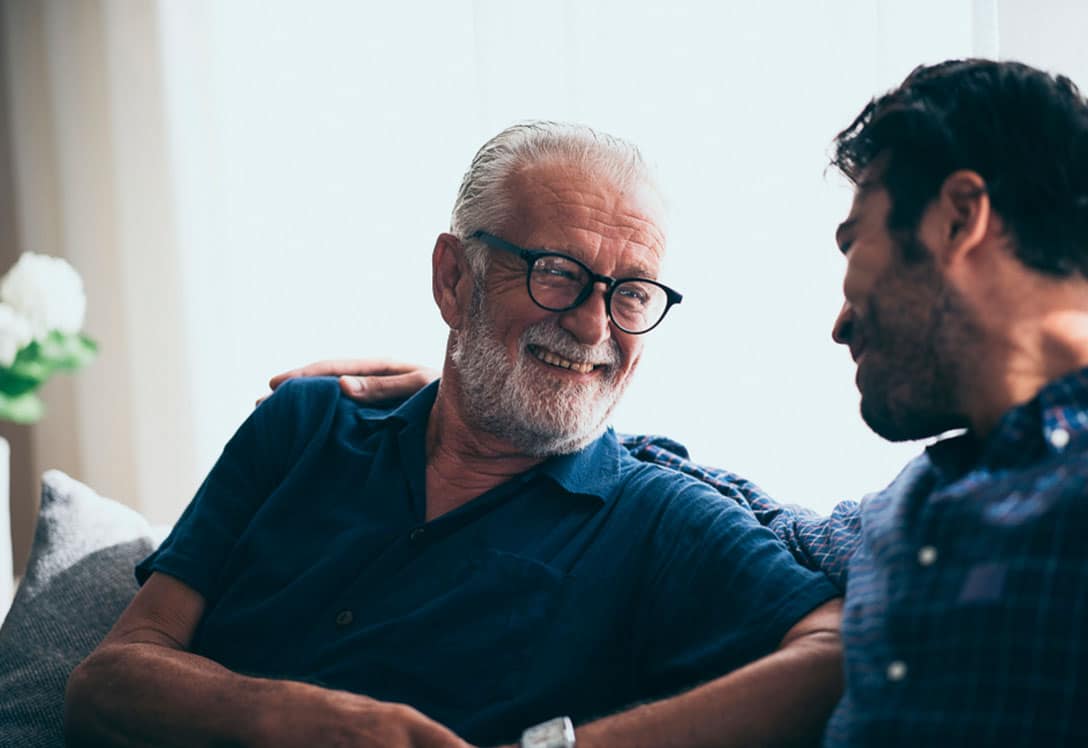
<point x="588" y="321"/>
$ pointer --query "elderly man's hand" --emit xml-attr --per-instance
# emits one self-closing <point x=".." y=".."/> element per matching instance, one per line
<point x="344" y="719"/>
<point x="366" y="380"/>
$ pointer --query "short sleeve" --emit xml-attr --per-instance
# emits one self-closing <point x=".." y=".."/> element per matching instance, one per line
<point x="251" y="466"/>
<point x="820" y="543"/>
<point x="722" y="590"/>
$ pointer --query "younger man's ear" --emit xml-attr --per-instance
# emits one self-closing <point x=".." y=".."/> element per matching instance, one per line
<point x="958" y="221"/>
<point x="451" y="279"/>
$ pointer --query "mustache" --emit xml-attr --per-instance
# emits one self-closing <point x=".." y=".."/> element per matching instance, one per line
<point x="548" y="334"/>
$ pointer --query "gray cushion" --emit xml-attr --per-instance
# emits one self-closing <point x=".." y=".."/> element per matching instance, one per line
<point x="79" y="578"/>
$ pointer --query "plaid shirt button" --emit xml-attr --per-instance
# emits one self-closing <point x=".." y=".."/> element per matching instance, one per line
<point x="1059" y="438"/>
<point x="1019" y="514"/>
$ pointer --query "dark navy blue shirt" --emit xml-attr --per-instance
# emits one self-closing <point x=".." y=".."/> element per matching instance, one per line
<point x="585" y="585"/>
<point x="966" y="613"/>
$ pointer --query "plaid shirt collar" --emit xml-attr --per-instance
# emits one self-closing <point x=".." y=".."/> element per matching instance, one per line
<point x="1056" y="417"/>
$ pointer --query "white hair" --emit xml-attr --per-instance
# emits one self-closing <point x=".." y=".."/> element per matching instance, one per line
<point x="484" y="200"/>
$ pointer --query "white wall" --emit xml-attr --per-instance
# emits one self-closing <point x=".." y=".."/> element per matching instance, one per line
<point x="1049" y="34"/>
<point x="248" y="186"/>
<point x="317" y="156"/>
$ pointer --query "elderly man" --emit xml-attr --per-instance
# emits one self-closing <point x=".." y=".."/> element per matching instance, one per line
<point x="486" y="557"/>
<point x="966" y="308"/>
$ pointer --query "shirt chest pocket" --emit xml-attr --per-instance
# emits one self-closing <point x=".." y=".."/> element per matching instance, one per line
<point x="462" y="634"/>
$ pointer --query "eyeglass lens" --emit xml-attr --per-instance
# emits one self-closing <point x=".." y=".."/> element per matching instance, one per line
<point x="557" y="282"/>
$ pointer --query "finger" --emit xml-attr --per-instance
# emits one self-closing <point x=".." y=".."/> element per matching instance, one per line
<point x="386" y="387"/>
<point x="330" y="367"/>
<point x="345" y="366"/>
<point x="429" y="734"/>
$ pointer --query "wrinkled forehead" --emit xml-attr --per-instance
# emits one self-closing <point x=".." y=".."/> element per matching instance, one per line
<point x="575" y="205"/>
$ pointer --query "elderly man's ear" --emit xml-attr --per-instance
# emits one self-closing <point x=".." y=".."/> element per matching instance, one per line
<point x="451" y="279"/>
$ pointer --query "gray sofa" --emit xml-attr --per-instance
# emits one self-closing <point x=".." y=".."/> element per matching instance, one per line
<point x="78" y="580"/>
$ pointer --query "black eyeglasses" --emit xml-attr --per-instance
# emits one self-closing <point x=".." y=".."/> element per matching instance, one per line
<point x="558" y="283"/>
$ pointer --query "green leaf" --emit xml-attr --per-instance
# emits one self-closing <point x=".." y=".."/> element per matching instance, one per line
<point x="30" y="365"/>
<point x="66" y="352"/>
<point x="38" y="361"/>
<point x="25" y="408"/>
<point x="14" y="384"/>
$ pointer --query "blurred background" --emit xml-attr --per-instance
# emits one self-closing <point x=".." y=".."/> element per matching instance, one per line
<point x="251" y="185"/>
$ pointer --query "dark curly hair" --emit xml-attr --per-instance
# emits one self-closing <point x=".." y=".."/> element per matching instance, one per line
<point x="1024" y="131"/>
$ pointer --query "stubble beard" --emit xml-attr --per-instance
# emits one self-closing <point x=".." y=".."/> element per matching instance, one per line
<point x="916" y="353"/>
<point x="537" y="414"/>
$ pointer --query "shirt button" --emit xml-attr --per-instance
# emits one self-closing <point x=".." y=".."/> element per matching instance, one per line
<point x="417" y="533"/>
<point x="927" y="555"/>
<point x="1059" y="438"/>
<point x="897" y="671"/>
<point x="344" y="618"/>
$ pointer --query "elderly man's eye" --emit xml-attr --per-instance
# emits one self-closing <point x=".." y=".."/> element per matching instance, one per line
<point x="559" y="273"/>
<point x="632" y="295"/>
<point x="556" y="269"/>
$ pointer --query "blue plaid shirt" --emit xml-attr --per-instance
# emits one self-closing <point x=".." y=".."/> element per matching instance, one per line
<point x="966" y="579"/>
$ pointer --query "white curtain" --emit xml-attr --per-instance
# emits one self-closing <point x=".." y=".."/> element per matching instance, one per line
<point x="248" y="185"/>
<point x="88" y="137"/>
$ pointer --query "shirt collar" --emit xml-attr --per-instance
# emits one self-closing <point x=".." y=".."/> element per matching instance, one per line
<point x="415" y="409"/>
<point x="1049" y="423"/>
<point x="591" y="471"/>
<point x="1064" y="405"/>
<point x="594" y="470"/>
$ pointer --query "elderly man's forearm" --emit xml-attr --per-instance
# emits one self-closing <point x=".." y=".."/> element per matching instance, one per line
<point x="149" y="695"/>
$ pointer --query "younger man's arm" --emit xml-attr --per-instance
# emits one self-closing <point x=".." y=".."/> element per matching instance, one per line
<point x="783" y="699"/>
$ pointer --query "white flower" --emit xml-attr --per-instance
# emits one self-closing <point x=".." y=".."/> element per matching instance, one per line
<point x="47" y="291"/>
<point x="14" y="334"/>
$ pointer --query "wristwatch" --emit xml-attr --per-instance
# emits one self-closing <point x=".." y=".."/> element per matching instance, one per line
<point x="555" y="733"/>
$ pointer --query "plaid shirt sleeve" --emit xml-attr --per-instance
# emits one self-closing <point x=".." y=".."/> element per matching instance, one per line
<point x="823" y="544"/>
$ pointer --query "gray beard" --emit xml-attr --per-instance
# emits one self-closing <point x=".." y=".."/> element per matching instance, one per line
<point x="538" y="415"/>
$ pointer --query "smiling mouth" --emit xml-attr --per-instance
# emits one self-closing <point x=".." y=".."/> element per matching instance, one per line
<point x="552" y="359"/>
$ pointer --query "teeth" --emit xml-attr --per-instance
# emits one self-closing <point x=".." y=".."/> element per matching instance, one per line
<point x="550" y="358"/>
